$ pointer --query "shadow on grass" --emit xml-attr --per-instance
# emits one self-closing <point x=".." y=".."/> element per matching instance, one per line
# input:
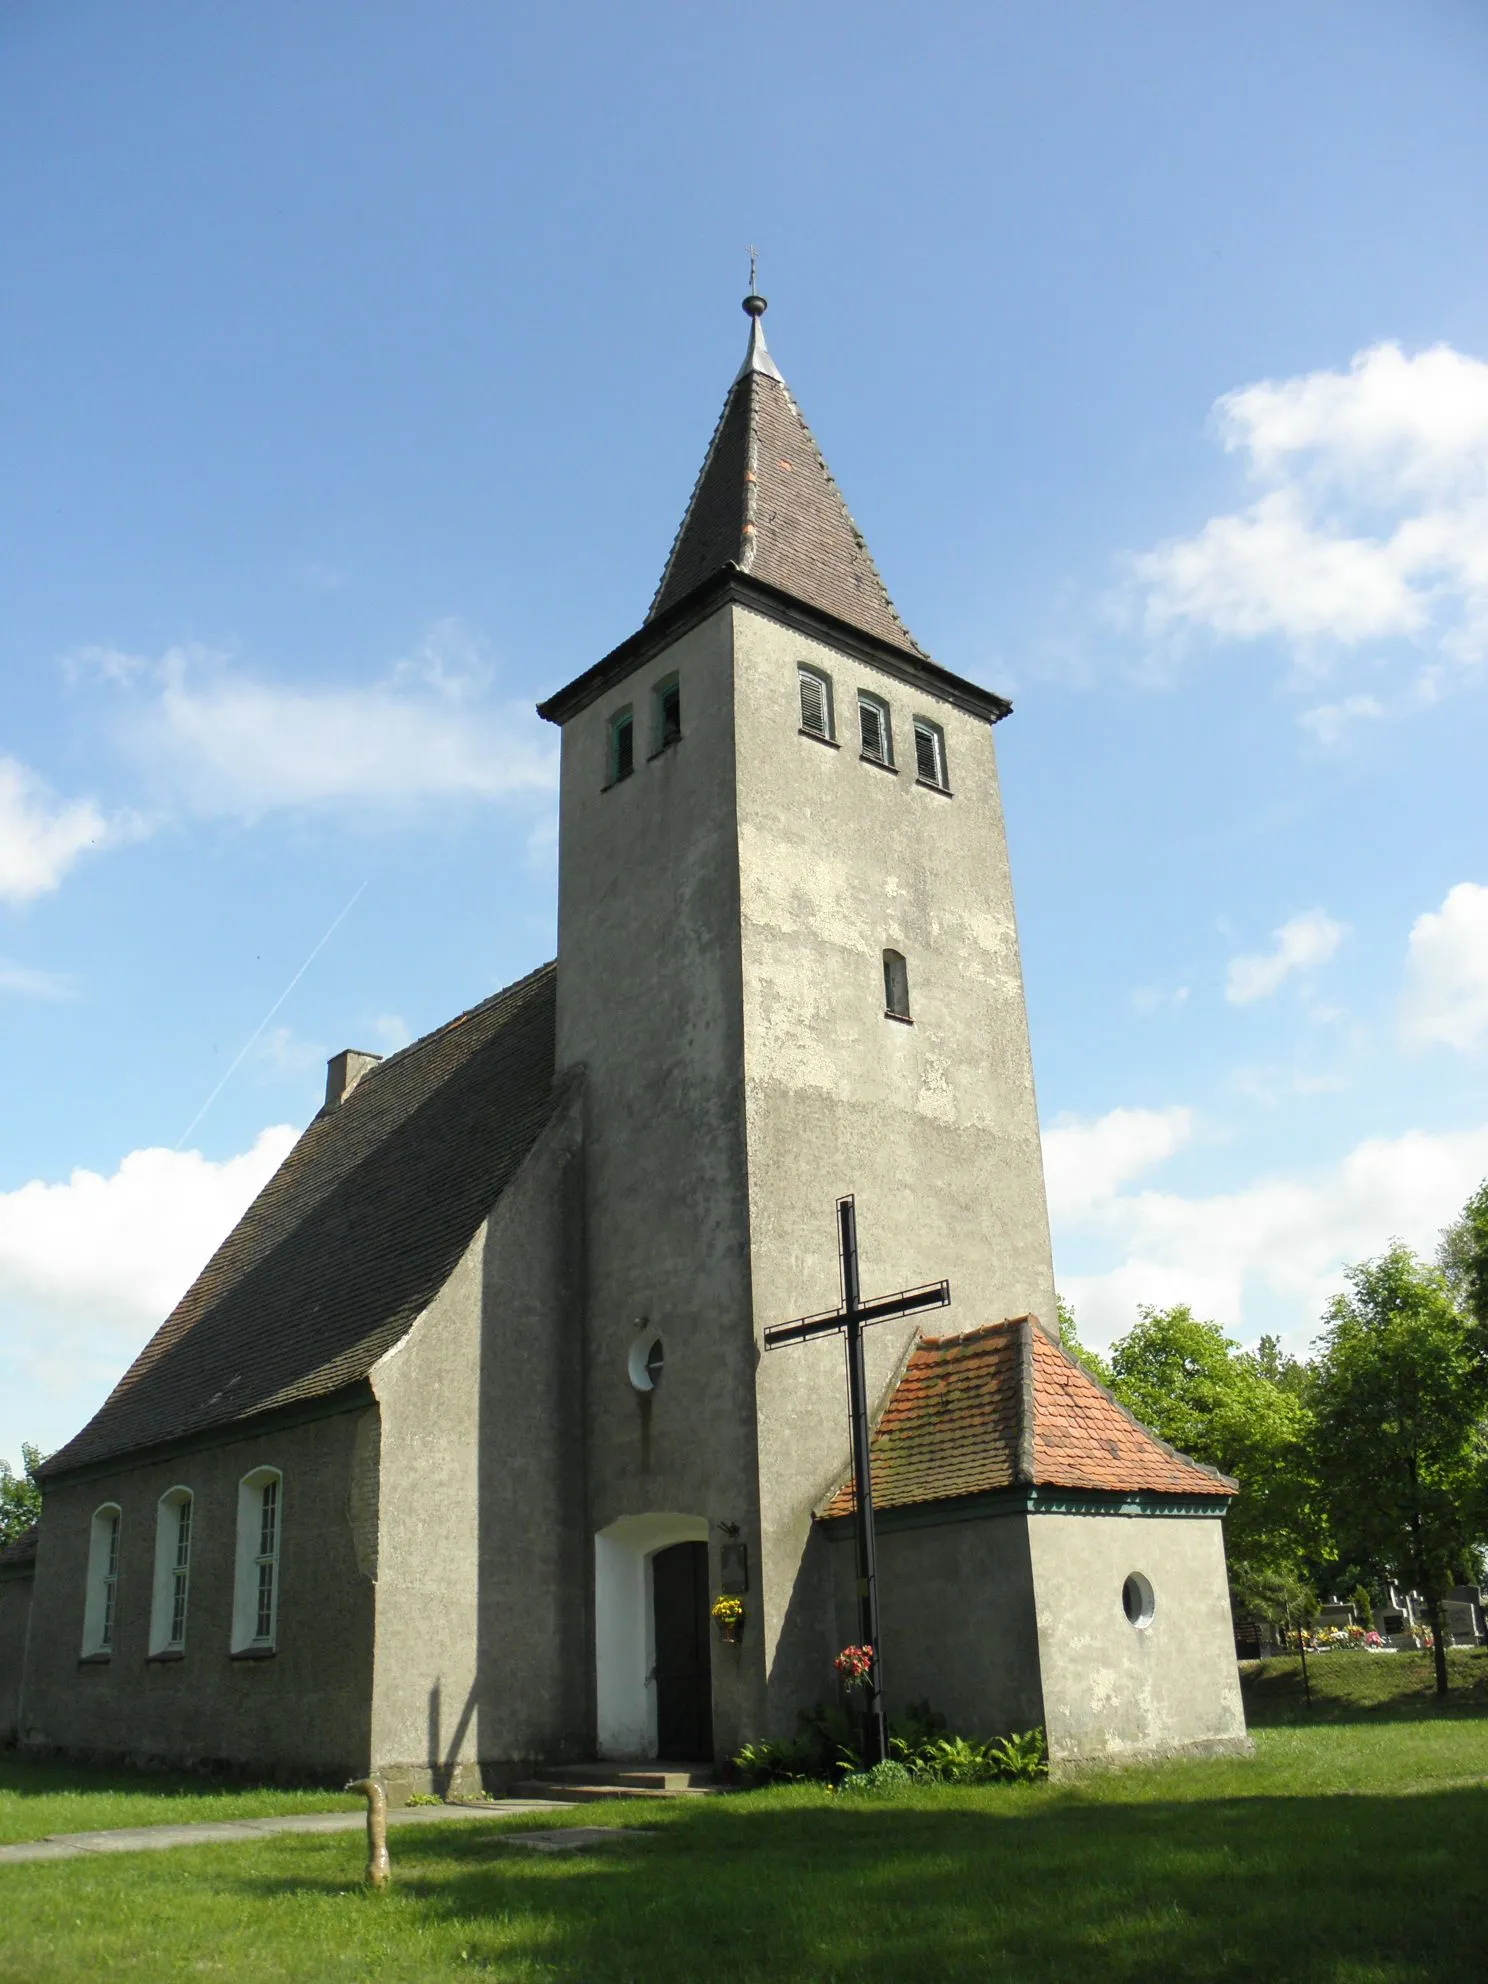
<point x="1341" y="1888"/>
<point x="1362" y="1688"/>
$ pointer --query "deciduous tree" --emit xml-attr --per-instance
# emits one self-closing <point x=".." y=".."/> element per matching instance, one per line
<point x="1400" y="1392"/>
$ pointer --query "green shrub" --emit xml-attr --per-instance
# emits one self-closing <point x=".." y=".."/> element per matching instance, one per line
<point x="825" y="1748"/>
<point x="882" y="1781"/>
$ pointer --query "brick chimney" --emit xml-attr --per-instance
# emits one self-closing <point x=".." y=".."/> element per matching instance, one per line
<point x="344" y="1071"/>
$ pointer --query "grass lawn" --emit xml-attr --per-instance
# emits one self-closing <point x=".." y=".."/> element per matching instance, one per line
<point x="1353" y="1848"/>
<point x="37" y="1799"/>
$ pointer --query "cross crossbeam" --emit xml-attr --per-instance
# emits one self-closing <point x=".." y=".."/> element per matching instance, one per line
<point x="933" y="1295"/>
<point x="850" y="1319"/>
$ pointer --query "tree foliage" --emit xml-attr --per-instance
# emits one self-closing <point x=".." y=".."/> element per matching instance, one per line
<point x="20" y="1495"/>
<point x="1244" y="1412"/>
<point x="1069" y="1336"/>
<point x="1400" y="1392"/>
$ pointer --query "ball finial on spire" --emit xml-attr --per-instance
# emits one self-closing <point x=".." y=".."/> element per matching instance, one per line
<point x="754" y="304"/>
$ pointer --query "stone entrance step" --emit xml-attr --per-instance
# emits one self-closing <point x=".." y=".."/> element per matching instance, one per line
<point x="581" y="1783"/>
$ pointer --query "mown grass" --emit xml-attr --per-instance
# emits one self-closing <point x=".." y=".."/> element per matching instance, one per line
<point x="1340" y="1853"/>
<point x="1367" y="1687"/>
<point x="37" y="1799"/>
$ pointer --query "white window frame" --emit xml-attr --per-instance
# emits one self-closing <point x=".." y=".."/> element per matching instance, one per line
<point x="251" y="1560"/>
<point x="928" y="728"/>
<point x="101" y="1596"/>
<point x="172" y="1590"/>
<point x="821" y="680"/>
<point x="886" y="730"/>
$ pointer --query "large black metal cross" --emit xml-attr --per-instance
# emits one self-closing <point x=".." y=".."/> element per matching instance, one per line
<point x="850" y="1319"/>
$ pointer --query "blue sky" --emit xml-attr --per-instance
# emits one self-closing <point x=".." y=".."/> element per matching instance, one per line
<point x="359" y="359"/>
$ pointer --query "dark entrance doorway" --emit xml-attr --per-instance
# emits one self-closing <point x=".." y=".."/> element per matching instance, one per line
<point x="684" y="1691"/>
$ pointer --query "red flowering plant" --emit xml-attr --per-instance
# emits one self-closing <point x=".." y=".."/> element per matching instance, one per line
<point x="855" y="1665"/>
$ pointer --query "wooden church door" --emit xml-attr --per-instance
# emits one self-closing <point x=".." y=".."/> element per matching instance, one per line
<point x="684" y="1684"/>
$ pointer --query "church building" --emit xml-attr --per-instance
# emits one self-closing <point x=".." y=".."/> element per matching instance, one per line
<point x="439" y="1466"/>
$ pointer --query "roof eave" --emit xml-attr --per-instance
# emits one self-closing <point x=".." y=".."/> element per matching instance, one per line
<point x="730" y="585"/>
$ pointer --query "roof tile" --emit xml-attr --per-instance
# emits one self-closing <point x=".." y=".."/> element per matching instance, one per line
<point x="1004" y="1406"/>
<point x="353" y="1235"/>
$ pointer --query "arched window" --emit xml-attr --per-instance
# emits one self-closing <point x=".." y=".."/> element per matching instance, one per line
<point x="172" y="1572"/>
<point x="256" y="1584"/>
<point x="874" y="730"/>
<point x="930" y="757"/>
<point x="896" y="986"/>
<point x="99" y="1608"/>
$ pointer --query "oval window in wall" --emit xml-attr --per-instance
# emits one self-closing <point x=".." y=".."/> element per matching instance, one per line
<point x="646" y="1360"/>
<point x="1137" y="1600"/>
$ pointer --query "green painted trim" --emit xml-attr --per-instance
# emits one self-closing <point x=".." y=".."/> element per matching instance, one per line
<point x="1035" y="1502"/>
<point x="227" y="1433"/>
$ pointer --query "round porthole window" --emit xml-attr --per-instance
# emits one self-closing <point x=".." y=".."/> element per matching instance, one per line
<point x="1137" y="1601"/>
<point x="646" y="1360"/>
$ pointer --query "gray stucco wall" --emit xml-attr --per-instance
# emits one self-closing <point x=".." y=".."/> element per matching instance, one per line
<point x="1112" y="1690"/>
<point x="933" y="1125"/>
<point x="303" y="1712"/>
<point x="958" y="1620"/>
<point x="649" y="1005"/>
<point x="722" y="918"/>
<point x="482" y="1642"/>
<point x="15" y="1617"/>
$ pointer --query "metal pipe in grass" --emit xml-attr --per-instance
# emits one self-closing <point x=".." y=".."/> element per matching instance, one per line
<point x="379" y="1867"/>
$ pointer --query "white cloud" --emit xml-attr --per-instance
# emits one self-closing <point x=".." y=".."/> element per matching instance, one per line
<point x="1446" y="973"/>
<point x="1086" y="1164"/>
<point x="1282" y="1239"/>
<point x="41" y="836"/>
<point x="225" y="743"/>
<point x="1150" y="999"/>
<point x="1328" y="722"/>
<point x="1301" y="945"/>
<point x="89" y="1268"/>
<point x="392" y="1030"/>
<point x="1370" y="525"/>
<point x="29" y="983"/>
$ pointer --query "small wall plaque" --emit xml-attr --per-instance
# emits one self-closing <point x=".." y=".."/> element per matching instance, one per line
<point x="733" y="1565"/>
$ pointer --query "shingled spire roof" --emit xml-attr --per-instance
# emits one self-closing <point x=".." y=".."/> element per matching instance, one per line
<point x="765" y="503"/>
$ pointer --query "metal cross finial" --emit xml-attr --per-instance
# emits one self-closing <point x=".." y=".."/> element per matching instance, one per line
<point x="753" y="268"/>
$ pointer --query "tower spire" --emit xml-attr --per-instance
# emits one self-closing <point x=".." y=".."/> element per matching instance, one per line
<point x="766" y="504"/>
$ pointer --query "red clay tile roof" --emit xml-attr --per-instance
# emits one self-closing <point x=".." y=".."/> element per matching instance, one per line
<point x="766" y="503"/>
<point x="1004" y="1407"/>
<point x="353" y="1235"/>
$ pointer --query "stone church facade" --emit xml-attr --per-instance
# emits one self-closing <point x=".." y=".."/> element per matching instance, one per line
<point x="437" y="1467"/>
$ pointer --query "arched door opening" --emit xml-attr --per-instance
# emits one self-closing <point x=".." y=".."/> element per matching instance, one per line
<point x="651" y="1637"/>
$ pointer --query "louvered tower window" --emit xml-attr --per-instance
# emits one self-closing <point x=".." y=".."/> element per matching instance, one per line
<point x="873" y="729"/>
<point x="816" y="703"/>
<point x="622" y="744"/>
<point x="930" y="758"/>
<point x="668" y="698"/>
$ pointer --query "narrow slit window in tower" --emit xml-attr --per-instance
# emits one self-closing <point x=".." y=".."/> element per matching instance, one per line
<point x="896" y="986"/>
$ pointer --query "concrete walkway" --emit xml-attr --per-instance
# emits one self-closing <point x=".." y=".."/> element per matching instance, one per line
<point x="220" y="1832"/>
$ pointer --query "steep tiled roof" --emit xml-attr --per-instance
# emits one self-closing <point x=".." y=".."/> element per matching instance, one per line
<point x="352" y="1236"/>
<point x="766" y="504"/>
<point x="1004" y="1407"/>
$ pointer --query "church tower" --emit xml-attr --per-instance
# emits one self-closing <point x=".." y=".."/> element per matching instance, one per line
<point x="788" y="969"/>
